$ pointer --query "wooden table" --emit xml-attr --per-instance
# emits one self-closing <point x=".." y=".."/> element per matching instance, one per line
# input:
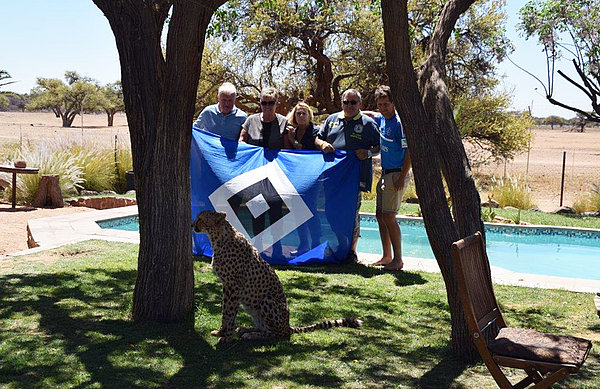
<point x="15" y="171"/>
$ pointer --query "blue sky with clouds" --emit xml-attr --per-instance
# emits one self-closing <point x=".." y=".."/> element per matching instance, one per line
<point x="44" y="38"/>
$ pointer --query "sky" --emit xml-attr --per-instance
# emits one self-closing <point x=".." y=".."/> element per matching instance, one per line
<point x="44" y="38"/>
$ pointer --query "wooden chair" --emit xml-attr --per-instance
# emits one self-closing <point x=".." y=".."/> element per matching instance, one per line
<point x="546" y="358"/>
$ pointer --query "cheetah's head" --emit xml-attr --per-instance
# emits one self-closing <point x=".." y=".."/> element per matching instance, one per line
<point x="208" y="220"/>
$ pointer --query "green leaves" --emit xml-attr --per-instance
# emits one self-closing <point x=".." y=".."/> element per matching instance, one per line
<point x="67" y="99"/>
<point x="493" y="132"/>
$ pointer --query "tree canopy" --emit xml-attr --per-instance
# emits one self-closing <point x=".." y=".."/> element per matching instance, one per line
<point x="110" y="100"/>
<point x="492" y="131"/>
<point x="568" y="28"/>
<point x="313" y="50"/>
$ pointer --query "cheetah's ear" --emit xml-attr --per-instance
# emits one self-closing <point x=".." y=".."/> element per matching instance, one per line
<point x="220" y="217"/>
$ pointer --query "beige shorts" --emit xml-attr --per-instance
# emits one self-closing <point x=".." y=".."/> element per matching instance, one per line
<point x="388" y="198"/>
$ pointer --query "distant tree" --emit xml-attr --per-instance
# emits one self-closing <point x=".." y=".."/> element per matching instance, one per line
<point x="553" y="120"/>
<point x="111" y="100"/>
<point x="4" y="76"/>
<point x="66" y="100"/>
<point x="493" y="132"/>
<point x="568" y="26"/>
<point x="580" y="122"/>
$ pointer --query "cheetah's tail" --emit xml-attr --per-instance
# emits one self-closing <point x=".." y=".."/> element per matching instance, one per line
<point x="327" y="324"/>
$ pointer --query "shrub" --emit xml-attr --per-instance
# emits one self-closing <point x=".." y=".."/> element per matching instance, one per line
<point x="79" y="165"/>
<point x="51" y="158"/>
<point x="511" y="192"/>
<point x="9" y="152"/>
<point x="98" y="166"/>
<point x="124" y="162"/>
<point x="589" y="202"/>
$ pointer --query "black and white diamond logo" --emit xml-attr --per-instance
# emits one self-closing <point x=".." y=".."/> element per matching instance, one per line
<point x="260" y="194"/>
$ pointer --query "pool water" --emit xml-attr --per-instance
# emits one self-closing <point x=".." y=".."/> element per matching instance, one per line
<point x="547" y="254"/>
<point x="547" y="251"/>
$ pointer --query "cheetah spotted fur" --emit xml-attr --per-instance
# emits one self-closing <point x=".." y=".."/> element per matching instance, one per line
<point x="250" y="281"/>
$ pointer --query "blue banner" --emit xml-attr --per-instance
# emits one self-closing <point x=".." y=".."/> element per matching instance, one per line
<point x="296" y="207"/>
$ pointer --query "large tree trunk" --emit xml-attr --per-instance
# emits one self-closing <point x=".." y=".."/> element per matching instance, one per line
<point x="159" y="98"/>
<point x="434" y="143"/>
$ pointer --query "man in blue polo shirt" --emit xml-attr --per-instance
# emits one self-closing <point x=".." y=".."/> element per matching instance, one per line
<point x="395" y="166"/>
<point x="350" y="130"/>
<point x="223" y="118"/>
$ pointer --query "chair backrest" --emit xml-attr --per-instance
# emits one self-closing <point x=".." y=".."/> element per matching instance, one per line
<point x="474" y="280"/>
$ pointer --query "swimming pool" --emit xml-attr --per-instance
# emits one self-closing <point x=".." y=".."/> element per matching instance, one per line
<point x="562" y="252"/>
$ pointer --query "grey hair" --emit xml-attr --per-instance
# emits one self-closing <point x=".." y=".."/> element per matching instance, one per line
<point x="269" y="92"/>
<point x="353" y="91"/>
<point x="227" y="88"/>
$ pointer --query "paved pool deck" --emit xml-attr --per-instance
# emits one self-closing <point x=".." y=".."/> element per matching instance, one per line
<point x="56" y="231"/>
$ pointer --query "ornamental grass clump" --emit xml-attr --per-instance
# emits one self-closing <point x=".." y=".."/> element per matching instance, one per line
<point x="511" y="191"/>
<point x="124" y="163"/>
<point x="589" y="202"/>
<point x="50" y="158"/>
<point x="79" y="166"/>
<point x="97" y="165"/>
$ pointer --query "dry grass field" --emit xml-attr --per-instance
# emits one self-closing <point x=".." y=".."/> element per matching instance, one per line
<point x="543" y="172"/>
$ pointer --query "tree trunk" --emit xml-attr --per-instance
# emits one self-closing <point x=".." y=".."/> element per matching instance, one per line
<point x="159" y="98"/>
<point x="111" y="117"/>
<point x="67" y="120"/>
<point x="434" y="143"/>
<point x="48" y="192"/>
<point x="323" y="76"/>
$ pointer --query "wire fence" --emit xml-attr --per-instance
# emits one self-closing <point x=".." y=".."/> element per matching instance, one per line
<point x="552" y="174"/>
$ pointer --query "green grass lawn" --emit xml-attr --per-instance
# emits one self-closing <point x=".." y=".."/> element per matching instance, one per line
<point x="65" y="323"/>
<point x="531" y="217"/>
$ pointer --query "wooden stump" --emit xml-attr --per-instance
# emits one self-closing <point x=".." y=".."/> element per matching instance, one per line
<point x="48" y="192"/>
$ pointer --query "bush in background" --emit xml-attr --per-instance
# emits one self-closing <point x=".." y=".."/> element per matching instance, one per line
<point x="590" y="202"/>
<point x="51" y="158"/>
<point x="511" y="191"/>
<point x="80" y="166"/>
<point x="97" y="166"/>
<point x="124" y="162"/>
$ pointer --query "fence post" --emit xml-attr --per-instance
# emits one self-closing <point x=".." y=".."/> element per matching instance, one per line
<point x="562" y="178"/>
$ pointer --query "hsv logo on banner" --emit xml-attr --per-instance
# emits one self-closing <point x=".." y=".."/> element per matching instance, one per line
<point x="296" y="207"/>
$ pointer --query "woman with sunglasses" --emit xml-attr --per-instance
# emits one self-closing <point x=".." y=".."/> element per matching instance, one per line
<point x="267" y="128"/>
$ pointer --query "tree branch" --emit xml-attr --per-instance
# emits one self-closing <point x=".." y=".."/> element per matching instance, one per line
<point x="532" y="75"/>
<point x="576" y="84"/>
<point x="587" y="115"/>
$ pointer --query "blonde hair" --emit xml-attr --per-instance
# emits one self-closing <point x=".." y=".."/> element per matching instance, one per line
<point x="291" y="118"/>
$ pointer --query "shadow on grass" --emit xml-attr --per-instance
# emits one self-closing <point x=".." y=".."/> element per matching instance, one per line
<point x="77" y="324"/>
<point x="74" y="329"/>
<point x="403" y="278"/>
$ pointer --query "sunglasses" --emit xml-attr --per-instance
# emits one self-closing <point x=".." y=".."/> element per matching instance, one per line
<point x="269" y="103"/>
<point x="349" y="102"/>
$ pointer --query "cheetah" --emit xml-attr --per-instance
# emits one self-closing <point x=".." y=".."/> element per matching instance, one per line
<point x="250" y="281"/>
